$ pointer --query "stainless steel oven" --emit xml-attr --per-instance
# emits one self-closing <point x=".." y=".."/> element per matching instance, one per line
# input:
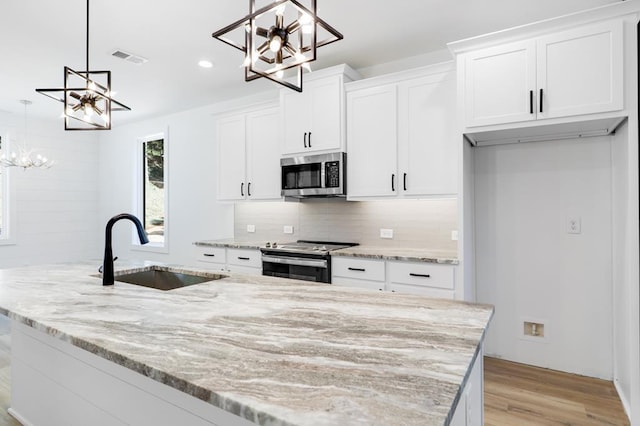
<point x="322" y="175"/>
<point x="302" y="260"/>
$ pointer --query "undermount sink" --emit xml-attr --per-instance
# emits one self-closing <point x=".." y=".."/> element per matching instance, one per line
<point x="165" y="278"/>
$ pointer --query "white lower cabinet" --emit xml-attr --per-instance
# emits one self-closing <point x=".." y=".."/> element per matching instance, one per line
<point x="243" y="261"/>
<point x="470" y="408"/>
<point x="421" y="278"/>
<point x="426" y="279"/>
<point x="362" y="273"/>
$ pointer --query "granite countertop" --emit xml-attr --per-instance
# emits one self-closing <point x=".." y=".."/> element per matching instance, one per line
<point x="275" y="351"/>
<point x="231" y="243"/>
<point x="399" y="253"/>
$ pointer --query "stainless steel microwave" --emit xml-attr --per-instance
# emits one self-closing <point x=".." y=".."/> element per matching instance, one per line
<point x="322" y="175"/>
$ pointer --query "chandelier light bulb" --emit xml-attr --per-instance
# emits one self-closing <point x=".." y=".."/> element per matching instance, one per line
<point x="88" y="111"/>
<point x="280" y="9"/>
<point x="275" y="44"/>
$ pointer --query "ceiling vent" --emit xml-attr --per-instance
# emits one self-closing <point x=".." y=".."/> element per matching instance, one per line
<point x="138" y="60"/>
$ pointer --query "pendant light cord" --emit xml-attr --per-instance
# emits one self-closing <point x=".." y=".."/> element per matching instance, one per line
<point x="87" y="69"/>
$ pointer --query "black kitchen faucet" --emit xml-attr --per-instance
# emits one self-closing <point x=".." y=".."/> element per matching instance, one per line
<point x="107" y="263"/>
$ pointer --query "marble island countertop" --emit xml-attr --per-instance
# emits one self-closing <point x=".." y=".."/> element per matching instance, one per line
<point x="275" y="351"/>
<point x="231" y="243"/>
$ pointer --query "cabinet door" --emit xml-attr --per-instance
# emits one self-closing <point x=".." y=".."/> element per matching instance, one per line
<point x="295" y="120"/>
<point x="231" y="158"/>
<point x="326" y="114"/>
<point x="428" y="146"/>
<point x="581" y="71"/>
<point x="499" y="83"/>
<point x="372" y="139"/>
<point x="263" y="155"/>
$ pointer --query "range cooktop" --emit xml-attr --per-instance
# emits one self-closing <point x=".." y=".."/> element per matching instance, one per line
<point x="306" y="246"/>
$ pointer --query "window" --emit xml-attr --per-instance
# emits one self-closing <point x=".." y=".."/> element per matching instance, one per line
<point x="153" y="190"/>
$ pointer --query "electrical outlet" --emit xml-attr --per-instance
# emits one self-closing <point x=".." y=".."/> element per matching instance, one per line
<point x="574" y="225"/>
<point x="533" y="329"/>
<point x="251" y="228"/>
<point x="386" y="233"/>
<point x="287" y="229"/>
<point x="454" y="235"/>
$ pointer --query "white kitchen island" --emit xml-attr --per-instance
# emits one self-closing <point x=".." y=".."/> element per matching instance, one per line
<point x="237" y="351"/>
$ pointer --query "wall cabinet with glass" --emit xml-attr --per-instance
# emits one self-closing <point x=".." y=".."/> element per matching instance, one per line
<point x="249" y="156"/>
<point x="401" y="135"/>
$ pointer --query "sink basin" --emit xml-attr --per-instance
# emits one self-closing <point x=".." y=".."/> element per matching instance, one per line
<point x="164" y="278"/>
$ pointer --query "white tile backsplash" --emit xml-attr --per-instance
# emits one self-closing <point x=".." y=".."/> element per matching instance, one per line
<point x="415" y="223"/>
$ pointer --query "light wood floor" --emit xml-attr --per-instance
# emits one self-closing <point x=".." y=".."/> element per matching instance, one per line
<point x="521" y="395"/>
<point x="515" y="394"/>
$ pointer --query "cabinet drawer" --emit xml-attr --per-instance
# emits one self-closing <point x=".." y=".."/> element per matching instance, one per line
<point x="243" y="257"/>
<point x="422" y="290"/>
<point x="348" y="267"/>
<point x="348" y="282"/>
<point x="211" y="254"/>
<point x="422" y="274"/>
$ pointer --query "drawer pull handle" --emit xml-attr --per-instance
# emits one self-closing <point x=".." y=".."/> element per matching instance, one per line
<point x="209" y="255"/>
<point x="541" y="97"/>
<point x="356" y="269"/>
<point x="419" y="275"/>
<point x="243" y="258"/>
<point x="530" y="101"/>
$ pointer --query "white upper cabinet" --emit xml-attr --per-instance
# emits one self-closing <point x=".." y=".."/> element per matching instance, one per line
<point x="428" y="157"/>
<point x="231" y="158"/>
<point x="313" y="121"/>
<point x="581" y="71"/>
<point x="499" y="84"/>
<point x="569" y="73"/>
<point x="263" y="155"/>
<point x="372" y="136"/>
<point x="401" y="136"/>
<point x="249" y="156"/>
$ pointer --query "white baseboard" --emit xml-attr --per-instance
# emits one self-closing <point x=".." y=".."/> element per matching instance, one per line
<point x="19" y="418"/>
<point x="623" y="399"/>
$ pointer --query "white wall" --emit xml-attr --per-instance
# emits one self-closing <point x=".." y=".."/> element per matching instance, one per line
<point x="55" y="209"/>
<point x="194" y="214"/>
<point x="530" y="268"/>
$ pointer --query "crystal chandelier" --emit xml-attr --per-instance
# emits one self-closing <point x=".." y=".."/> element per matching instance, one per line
<point x="24" y="157"/>
<point x="279" y="37"/>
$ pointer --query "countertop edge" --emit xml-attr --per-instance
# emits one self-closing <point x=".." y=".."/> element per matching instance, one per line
<point x="403" y="258"/>
<point x="149" y="372"/>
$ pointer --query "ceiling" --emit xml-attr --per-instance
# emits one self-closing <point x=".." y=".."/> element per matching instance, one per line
<point x="40" y="37"/>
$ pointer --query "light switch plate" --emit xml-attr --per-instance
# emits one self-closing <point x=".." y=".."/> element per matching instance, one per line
<point x="454" y="235"/>
<point x="287" y="229"/>
<point x="386" y="233"/>
<point x="251" y="228"/>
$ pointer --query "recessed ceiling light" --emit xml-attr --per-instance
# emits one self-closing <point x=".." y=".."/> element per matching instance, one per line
<point x="205" y="64"/>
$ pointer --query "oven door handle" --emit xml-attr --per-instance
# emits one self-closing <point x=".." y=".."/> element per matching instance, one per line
<point x="298" y="261"/>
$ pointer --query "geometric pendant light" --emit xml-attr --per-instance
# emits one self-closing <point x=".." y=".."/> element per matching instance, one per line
<point x="278" y="39"/>
<point x="86" y="96"/>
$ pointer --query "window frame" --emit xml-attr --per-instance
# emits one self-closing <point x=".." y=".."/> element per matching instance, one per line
<point x="8" y="236"/>
<point x="140" y="192"/>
